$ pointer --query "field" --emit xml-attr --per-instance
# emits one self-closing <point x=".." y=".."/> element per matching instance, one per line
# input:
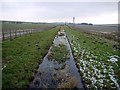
<point x="8" y="26"/>
<point x="96" y="58"/>
<point x="28" y="60"/>
<point x="98" y="28"/>
<point x="15" y="29"/>
<point x="22" y="56"/>
<point x="109" y="31"/>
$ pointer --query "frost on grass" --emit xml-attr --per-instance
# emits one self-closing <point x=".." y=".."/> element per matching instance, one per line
<point x="96" y="58"/>
<point x="96" y="72"/>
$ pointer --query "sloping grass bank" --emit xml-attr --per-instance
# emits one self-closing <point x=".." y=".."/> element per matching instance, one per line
<point x="96" y="58"/>
<point x="22" y="56"/>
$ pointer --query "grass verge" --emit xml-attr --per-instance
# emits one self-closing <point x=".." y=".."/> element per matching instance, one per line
<point x="22" y="56"/>
<point x="96" y="58"/>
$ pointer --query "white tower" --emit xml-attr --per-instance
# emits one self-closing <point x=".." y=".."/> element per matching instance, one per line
<point x="73" y="20"/>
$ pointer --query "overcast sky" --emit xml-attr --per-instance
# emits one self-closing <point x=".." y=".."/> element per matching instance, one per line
<point x="90" y="12"/>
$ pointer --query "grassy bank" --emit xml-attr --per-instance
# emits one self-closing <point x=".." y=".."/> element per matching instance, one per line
<point x="22" y="56"/>
<point x="96" y="58"/>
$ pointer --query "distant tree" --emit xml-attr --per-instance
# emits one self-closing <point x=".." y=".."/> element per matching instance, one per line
<point x="19" y="22"/>
<point x="84" y="23"/>
<point x="90" y="24"/>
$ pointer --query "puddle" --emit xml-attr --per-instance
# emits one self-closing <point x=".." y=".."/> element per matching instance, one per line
<point x="52" y="74"/>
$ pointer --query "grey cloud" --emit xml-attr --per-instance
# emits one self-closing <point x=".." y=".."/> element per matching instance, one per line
<point x="58" y="9"/>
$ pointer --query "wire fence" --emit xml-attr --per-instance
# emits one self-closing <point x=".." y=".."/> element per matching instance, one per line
<point x="11" y="34"/>
<point x="16" y="33"/>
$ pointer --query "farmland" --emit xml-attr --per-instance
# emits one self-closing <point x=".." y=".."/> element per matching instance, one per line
<point x="14" y="29"/>
<point x="64" y="53"/>
<point x="59" y="45"/>
<point x="96" y="58"/>
<point x="98" y="28"/>
<point x="8" y="26"/>
<point x="109" y="31"/>
<point x="22" y="56"/>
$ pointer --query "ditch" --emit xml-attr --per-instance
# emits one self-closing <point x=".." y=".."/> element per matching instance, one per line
<point x="58" y="69"/>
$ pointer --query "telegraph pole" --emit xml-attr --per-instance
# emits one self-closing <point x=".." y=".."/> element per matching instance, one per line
<point x="73" y="20"/>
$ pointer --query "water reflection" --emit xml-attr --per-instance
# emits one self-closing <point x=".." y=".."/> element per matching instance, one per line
<point x="52" y="74"/>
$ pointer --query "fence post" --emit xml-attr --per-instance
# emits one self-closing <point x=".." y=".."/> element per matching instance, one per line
<point x="10" y="34"/>
<point x="23" y="32"/>
<point x="15" y="33"/>
<point x="26" y="31"/>
<point x="30" y="31"/>
<point x="20" y="32"/>
<point x="3" y="37"/>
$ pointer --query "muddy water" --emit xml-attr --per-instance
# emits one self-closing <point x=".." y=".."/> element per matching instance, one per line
<point x="52" y="74"/>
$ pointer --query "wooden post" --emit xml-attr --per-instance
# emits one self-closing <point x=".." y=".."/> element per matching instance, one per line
<point x="30" y="31"/>
<point x="26" y="32"/>
<point x="23" y="32"/>
<point x="15" y="33"/>
<point x="20" y="32"/>
<point x="10" y="34"/>
<point x="3" y="37"/>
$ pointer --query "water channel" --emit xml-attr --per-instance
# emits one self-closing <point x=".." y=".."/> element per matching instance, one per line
<point x="52" y="74"/>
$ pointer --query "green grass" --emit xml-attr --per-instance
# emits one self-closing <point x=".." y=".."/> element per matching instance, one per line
<point x="92" y="54"/>
<point x="59" y="53"/>
<point x="22" y="56"/>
